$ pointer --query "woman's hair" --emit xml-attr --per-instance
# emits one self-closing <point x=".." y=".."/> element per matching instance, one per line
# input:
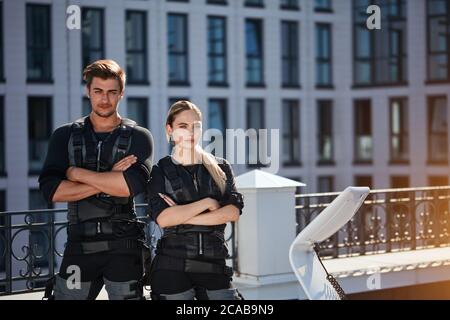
<point x="208" y="160"/>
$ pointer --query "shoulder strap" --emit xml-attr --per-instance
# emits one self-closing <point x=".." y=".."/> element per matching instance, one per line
<point x="169" y="169"/>
<point x="77" y="140"/>
<point x="123" y="141"/>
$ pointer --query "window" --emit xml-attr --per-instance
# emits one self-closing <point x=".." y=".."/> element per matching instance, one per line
<point x="224" y="2"/>
<point x="172" y="100"/>
<point x="39" y="131"/>
<point x="398" y="182"/>
<point x="255" y="121"/>
<point x="137" y="109"/>
<point x="437" y="130"/>
<point x="37" y="201"/>
<point x="290" y="54"/>
<point x="136" y="45"/>
<point x="92" y="35"/>
<point x="291" y="132"/>
<point x="322" y="5"/>
<point x="325" y="131"/>
<point x="289" y="4"/>
<point x="363" y="181"/>
<point x="2" y="203"/>
<point x="2" y="137"/>
<point x="323" y="56"/>
<point x="3" y="235"/>
<point x="39" y="48"/>
<point x="217" y="119"/>
<point x="2" y="64"/>
<point x="254" y="52"/>
<point x="178" y="49"/>
<point x="399" y="138"/>
<point x="217" y="48"/>
<point x="380" y="55"/>
<point x="298" y="190"/>
<point x="438" y="42"/>
<point x="363" y="131"/>
<point x="86" y="107"/>
<point x="325" y="184"/>
<point x="437" y="181"/>
<point x="254" y="3"/>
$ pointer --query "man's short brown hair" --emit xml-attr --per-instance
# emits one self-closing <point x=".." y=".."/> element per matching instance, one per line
<point x="104" y="69"/>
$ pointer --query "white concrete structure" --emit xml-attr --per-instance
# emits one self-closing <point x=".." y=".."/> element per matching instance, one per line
<point x="267" y="227"/>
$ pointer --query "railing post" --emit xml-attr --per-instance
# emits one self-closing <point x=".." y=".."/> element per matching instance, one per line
<point x="265" y="232"/>
<point x="389" y="210"/>
<point x="307" y="214"/>
<point x="362" y="224"/>
<point x="8" y="260"/>
<point x="412" y="210"/>
<point x="436" y="218"/>
<point x="51" y="267"/>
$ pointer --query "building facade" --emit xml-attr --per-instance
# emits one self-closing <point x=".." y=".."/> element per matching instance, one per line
<point x="354" y="106"/>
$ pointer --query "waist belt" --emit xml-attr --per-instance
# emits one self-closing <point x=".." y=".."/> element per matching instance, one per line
<point x="189" y="265"/>
<point x="91" y="228"/>
<point x="93" y="209"/>
<point x="180" y="229"/>
<point x="94" y="228"/>
<point x="74" y="248"/>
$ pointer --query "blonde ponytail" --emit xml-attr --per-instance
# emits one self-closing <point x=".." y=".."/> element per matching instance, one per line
<point x="216" y="172"/>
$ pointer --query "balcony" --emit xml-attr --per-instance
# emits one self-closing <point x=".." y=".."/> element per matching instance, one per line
<point x="400" y="235"/>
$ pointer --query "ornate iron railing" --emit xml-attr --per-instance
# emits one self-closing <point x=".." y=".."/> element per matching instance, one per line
<point x="32" y="245"/>
<point x="389" y="220"/>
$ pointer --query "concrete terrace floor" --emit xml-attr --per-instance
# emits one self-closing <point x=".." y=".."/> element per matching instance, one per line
<point x="397" y="269"/>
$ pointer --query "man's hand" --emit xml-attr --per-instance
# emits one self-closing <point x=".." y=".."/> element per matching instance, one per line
<point x="122" y="165"/>
<point x="71" y="174"/>
<point x="125" y="163"/>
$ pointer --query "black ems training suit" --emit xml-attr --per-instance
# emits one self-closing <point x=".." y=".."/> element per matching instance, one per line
<point x="190" y="260"/>
<point x="104" y="239"/>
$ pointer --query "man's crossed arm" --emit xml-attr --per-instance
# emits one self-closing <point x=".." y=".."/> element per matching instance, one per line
<point x="82" y="183"/>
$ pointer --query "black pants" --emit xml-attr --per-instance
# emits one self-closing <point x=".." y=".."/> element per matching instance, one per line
<point x="177" y="285"/>
<point x="118" y="272"/>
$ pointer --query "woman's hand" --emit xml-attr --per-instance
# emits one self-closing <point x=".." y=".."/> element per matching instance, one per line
<point x="167" y="199"/>
<point x="212" y="204"/>
<point x="125" y="163"/>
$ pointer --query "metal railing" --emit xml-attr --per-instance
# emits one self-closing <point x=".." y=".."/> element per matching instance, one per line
<point x="389" y="220"/>
<point x="32" y="245"/>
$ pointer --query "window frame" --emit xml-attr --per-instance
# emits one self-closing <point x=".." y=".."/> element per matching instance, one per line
<point x="84" y="48"/>
<point x="144" y="51"/>
<point x="184" y="53"/>
<point x="223" y="56"/>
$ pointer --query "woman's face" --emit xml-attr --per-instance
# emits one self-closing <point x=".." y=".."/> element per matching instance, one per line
<point x="186" y="129"/>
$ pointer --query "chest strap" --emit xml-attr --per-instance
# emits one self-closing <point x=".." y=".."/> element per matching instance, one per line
<point x="168" y="167"/>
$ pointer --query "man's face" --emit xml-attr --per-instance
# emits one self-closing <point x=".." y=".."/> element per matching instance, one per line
<point x="105" y="96"/>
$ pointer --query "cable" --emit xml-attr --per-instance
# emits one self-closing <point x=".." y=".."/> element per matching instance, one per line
<point x="330" y="278"/>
